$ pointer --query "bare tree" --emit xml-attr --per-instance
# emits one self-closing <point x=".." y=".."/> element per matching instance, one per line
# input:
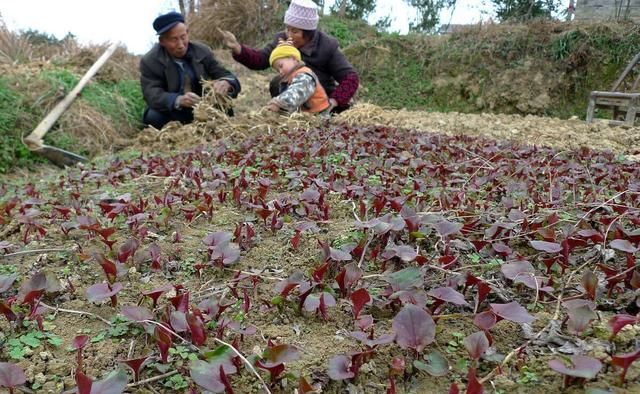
<point x="188" y="8"/>
<point x="343" y="8"/>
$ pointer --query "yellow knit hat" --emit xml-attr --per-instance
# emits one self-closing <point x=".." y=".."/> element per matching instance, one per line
<point x="284" y="50"/>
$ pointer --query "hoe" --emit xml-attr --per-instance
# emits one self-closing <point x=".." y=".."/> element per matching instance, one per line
<point x="33" y="141"/>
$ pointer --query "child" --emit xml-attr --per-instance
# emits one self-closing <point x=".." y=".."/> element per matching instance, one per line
<point x="299" y="86"/>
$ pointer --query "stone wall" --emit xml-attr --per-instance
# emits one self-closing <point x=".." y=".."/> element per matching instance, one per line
<point x="607" y="10"/>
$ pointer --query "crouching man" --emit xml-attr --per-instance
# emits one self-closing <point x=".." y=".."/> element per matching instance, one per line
<point x="170" y="73"/>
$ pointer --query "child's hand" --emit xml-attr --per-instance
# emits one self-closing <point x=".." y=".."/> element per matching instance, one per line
<point x="273" y="107"/>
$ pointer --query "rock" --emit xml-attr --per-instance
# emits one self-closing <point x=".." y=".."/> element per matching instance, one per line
<point x="60" y="368"/>
<point x="51" y="387"/>
<point x="40" y="379"/>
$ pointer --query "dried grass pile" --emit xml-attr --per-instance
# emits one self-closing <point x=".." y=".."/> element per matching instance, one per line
<point x="212" y="123"/>
<point x="543" y="131"/>
<point x="252" y="21"/>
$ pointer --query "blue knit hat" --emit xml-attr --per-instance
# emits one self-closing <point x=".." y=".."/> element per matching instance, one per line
<point x="166" y="22"/>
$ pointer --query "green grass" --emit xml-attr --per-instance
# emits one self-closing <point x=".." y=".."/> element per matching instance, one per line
<point x="457" y="72"/>
<point x="120" y="101"/>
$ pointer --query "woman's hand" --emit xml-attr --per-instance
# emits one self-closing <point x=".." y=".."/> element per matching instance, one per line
<point x="230" y="41"/>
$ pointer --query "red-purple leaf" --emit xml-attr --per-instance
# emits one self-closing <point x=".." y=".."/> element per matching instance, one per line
<point x="512" y="270"/>
<point x="6" y="281"/>
<point x="624" y="361"/>
<point x="227" y="253"/>
<point x="340" y="368"/>
<point x="485" y="320"/>
<point x="7" y="311"/>
<point x="473" y="385"/>
<point x="80" y="341"/>
<point x="618" y="322"/>
<point x="310" y="195"/>
<point x="40" y="282"/>
<point x="447" y="294"/>
<point x="544" y="246"/>
<point x="136" y="366"/>
<point x="581" y="367"/>
<point x="178" y="321"/>
<point x="11" y="375"/>
<point x="364" y="322"/>
<point x="339" y="255"/>
<point x="414" y="328"/>
<point x="196" y="327"/>
<point x="279" y="354"/>
<point x="359" y="299"/>
<point x="348" y="276"/>
<point x="218" y="238"/>
<point x="595" y="236"/>
<point x="476" y="344"/>
<point x="101" y="291"/>
<point x="581" y="313"/>
<point x="623" y="245"/>
<point x="157" y="292"/>
<point x="207" y="374"/>
<point x="513" y="312"/>
<point x="406" y="253"/>
<point x="164" y="341"/>
<point x="364" y="338"/>
<point x="114" y="383"/>
<point x="136" y="313"/>
<point x="128" y="249"/>
<point x="446" y="228"/>
<point x="83" y="382"/>
<point x="590" y="284"/>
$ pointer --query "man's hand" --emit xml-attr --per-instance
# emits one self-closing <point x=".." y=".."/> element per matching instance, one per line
<point x="222" y="87"/>
<point x="188" y="100"/>
<point x="230" y="41"/>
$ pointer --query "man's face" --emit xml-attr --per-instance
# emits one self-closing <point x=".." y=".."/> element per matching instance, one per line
<point x="176" y="40"/>
<point x="297" y="36"/>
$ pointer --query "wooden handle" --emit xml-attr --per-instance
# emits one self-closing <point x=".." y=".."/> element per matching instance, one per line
<point x="34" y="140"/>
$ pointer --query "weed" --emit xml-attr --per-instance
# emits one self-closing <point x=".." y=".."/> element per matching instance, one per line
<point x="176" y="382"/>
<point x="527" y="376"/>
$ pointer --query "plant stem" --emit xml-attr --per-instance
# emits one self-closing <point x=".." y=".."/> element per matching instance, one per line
<point x="152" y="379"/>
<point x="266" y="388"/>
<point x="76" y="312"/>
<point x="33" y="251"/>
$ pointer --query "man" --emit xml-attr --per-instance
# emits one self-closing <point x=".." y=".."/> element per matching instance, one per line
<point x="170" y="73"/>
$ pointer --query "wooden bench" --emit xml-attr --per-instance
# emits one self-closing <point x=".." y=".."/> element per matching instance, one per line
<point x="623" y="99"/>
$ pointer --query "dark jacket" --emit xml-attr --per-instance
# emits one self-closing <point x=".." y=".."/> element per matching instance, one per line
<point x="322" y="54"/>
<point x="162" y="80"/>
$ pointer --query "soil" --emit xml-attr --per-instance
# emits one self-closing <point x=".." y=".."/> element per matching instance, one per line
<point x="50" y="368"/>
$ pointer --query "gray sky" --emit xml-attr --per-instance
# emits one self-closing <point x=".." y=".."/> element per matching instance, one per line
<point x="129" y="21"/>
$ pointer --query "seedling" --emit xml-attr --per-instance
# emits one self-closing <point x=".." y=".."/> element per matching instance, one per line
<point x="11" y="376"/>
<point x="581" y="368"/>
<point x="624" y="361"/>
<point x="79" y="342"/>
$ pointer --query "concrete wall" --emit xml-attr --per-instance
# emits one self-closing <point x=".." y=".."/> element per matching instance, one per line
<point x="607" y="9"/>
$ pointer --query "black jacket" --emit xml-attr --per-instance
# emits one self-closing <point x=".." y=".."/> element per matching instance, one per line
<point x="162" y="79"/>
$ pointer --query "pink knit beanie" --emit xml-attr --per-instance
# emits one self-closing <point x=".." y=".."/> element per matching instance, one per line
<point x="302" y="14"/>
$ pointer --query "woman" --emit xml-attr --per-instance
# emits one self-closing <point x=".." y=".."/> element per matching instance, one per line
<point x="319" y="51"/>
